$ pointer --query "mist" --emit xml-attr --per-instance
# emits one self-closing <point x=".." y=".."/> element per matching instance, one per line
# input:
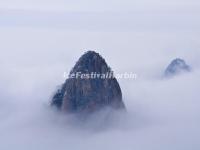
<point x="39" y="42"/>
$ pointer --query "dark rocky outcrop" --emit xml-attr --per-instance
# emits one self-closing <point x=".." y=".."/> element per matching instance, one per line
<point x="89" y="94"/>
<point x="177" y="66"/>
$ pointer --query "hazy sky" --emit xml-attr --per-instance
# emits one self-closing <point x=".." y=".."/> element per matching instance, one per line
<point x="102" y="15"/>
<point x="100" y="6"/>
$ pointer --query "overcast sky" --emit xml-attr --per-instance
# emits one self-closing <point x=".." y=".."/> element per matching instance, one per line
<point x="102" y="15"/>
<point x="101" y="6"/>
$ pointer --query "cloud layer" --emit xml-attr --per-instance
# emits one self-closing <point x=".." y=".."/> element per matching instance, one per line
<point x="37" y="47"/>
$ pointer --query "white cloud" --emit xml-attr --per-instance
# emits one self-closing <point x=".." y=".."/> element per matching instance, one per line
<point x="37" y="47"/>
<point x="162" y="114"/>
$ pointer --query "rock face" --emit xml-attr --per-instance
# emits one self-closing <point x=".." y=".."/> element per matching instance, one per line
<point x="85" y="92"/>
<point x="177" y="66"/>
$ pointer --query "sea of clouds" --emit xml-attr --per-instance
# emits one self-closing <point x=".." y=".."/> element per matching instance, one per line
<point x="37" y="47"/>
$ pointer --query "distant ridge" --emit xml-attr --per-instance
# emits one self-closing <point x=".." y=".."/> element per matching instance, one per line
<point x="177" y="66"/>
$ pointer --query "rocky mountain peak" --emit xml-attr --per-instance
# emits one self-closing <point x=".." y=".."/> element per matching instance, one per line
<point x="91" y="62"/>
<point x="89" y="94"/>
<point x="177" y="66"/>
